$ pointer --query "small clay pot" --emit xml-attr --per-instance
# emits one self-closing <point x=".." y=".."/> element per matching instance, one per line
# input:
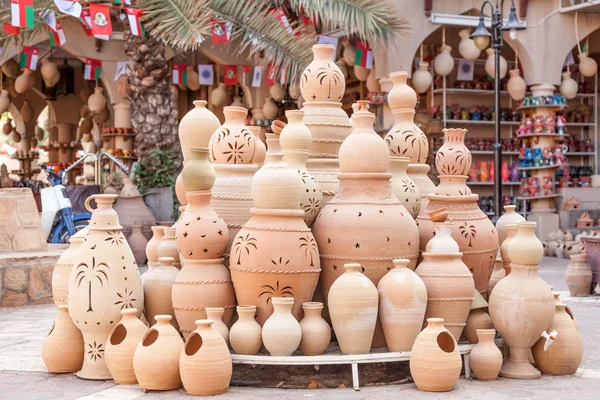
<point x="486" y="358"/>
<point x="62" y="348"/>
<point x="246" y="334"/>
<point x="121" y="345"/>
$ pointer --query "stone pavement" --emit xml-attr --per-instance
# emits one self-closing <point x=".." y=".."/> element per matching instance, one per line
<point x="22" y="373"/>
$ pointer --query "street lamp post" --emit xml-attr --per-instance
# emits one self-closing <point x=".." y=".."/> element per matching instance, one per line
<point x="481" y="36"/>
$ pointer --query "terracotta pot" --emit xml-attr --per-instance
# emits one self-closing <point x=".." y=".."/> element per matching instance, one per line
<point x="406" y="139"/>
<point x="467" y="48"/>
<point x="132" y="210"/>
<point x="568" y="86"/>
<point x="198" y="173"/>
<point x="477" y="319"/>
<point x="10" y="68"/>
<point x="510" y="231"/>
<point x="4" y="101"/>
<point x="86" y="126"/>
<point x="192" y="78"/>
<point x="246" y="334"/>
<point x="97" y="102"/>
<point x="205" y="362"/>
<point x="372" y="81"/>
<point x="444" y="63"/>
<point x="361" y="73"/>
<point x="63" y="267"/>
<point x="349" y="53"/>
<point x="329" y="126"/>
<point x="156" y="358"/>
<point x="402" y="303"/>
<point x="215" y="314"/>
<point x="137" y="241"/>
<point x="497" y="274"/>
<point x="522" y="304"/>
<point x="105" y="268"/>
<point x="490" y="64"/>
<point x="402" y="96"/>
<point x="435" y="362"/>
<point x="281" y="333"/>
<point x="122" y="116"/>
<point x="49" y="72"/>
<point x="270" y="109"/>
<point x="260" y="152"/>
<point x="449" y="289"/>
<point x="157" y="290"/>
<point x="579" y="276"/>
<point x="510" y="216"/>
<point x="403" y="187"/>
<point x="121" y="345"/>
<point x="158" y="232"/>
<point x="62" y="348"/>
<point x="442" y="242"/>
<point x="353" y="302"/>
<point x="26" y="111"/>
<point x="294" y="90"/>
<point x="322" y="80"/>
<point x="196" y="128"/>
<point x="25" y="81"/>
<point x="168" y="247"/>
<point x="486" y="358"/>
<point x="587" y="65"/>
<point x="180" y="189"/>
<point x="453" y="185"/>
<point x="7" y="128"/>
<point x="421" y="78"/>
<point x="516" y="85"/>
<point x="65" y="133"/>
<point x="453" y="158"/>
<point x="566" y="352"/>
<point x="201" y="284"/>
<point x="316" y="333"/>
<point x="277" y="91"/>
<point x="218" y="96"/>
<point x="295" y="141"/>
<point x="276" y="185"/>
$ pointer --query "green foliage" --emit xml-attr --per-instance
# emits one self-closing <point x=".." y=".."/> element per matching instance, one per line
<point x="159" y="171"/>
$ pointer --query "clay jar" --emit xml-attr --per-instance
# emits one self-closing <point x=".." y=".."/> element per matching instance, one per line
<point x="406" y="139"/>
<point x="121" y="345"/>
<point x="511" y="231"/>
<point x="4" y="100"/>
<point x="404" y="188"/>
<point x="105" y="280"/>
<point x="26" y="111"/>
<point x="353" y="302"/>
<point x="158" y="232"/>
<point x="516" y="85"/>
<point x="564" y="355"/>
<point x="132" y="210"/>
<point x="157" y="290"/>
<point x="168" y="247"/>
<point x="281" y="333"/>
<point x="478" y="318"/>
<point x="62" y="348"/>
<point x="316" y="333"/>
<point x="25" y="81"/>
<point x="467" y="47"/>
<point x="497" y="274"/>
<point x="579" y="276"/>
<point x="442" y="241"/>
<point x="510" y="216"/>
<point x="453" y="158"/>
<point x="215" y="314"/>
<point x="137" y="241"/>
<point x="198" y="173"/>
<point x="486" y="358"/>
<point x="232" y="142"/>
<point x="402" y="96"/>
<point x="245" y="335"/>
<point x="205" y="362"/>
<point x="402" y="304"/>
<point x="156" y="357"/>
<point x="435" y="362"/>
<point x="322" y="80"/>
<point x="63" y="267"/>
<point x="276" y="185"/>
<point x="522" y="304"/>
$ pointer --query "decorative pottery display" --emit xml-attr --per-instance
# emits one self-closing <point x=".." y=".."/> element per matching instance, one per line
<point x="442" y="241"/>
<point x="316" y="333"/>
<point x="232" y="142"/>
<point x="295" y="141"/>
<point x="215" y="314"/>
<point x="421" y="78"/>
<point x="497" y="274"/>
<point x="467" y="48"/>
<point x="157" y="290"/>
<point x="353" y="303"/>
<point x="516" y="85"/>
<point x="444" y="63"/>
<point x="490" y="64"/>
<point x="245" y="335"/>
<point x="105" y="280"/>
<point x="486" y="358"/>
<point x="511" y="231"/>
<point x="205" y="362"/>
<point x="402" y="304"/>
<point x="132" y="210"/>
<point x="96" y="102"/>
<point x="137" y="241"/>
<point x="121" y="345"/>
<point x="403" y="187"/>
<point x="158" y="232"/>
<point x="322" y="80"/>
<point x="565" y="354"/>
<point x="522" y="304"/>
<point x="510" y="216"/>
<point x="198" y="173"/>
<point x="435" y="362"/>
<point x="63" y="267"/>
<point x="63" y="348"/>
<point x="168" y="247"/>
<point x="579" y="276"/>
<point x="477" y="319"/>
<point x="281" y="332"/>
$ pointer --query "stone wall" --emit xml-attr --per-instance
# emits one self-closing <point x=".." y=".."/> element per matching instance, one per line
<point x="20" y="228"/>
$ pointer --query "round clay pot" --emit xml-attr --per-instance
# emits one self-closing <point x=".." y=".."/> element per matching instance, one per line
<point x="63" y="347"/>
<point x="11" y="68"/>
<point x="4" y="101"/>
<point x="26" y="111"/>
<point x="205" y="362"/>
<point x="25" y="81"/>
<point x="361" y="73"/>
<point x="587" y="65"/>
<point x="478" y="318"/>
<point x="316" y="333"/>
<point x="49" y="72"/>
<point x="444" y="63"/>
<point x="198" y="173"/>
<point x="281" y="333"/>
<point x="578" y="275"/>
<point x="406" y="139"/>
<point x="403" y="187"/>
<point x="137" y="241"/>
<point x="260" y="153"/>
<point x="270" y="109"/>
<point x="218" y="96"/>
<point x="232" y="142"/>
<point x="329" y="125"/>
<point x="510" y="216"/>
<point x="353" y="302"/>
<point x="157" y="290"/>
<point x="467" y="48"/>
<point x="97" y="102"/>
<point x="486" y="358"/>
<point x="192" y="78"/>
<point x="121" y="345"/>
<point x="294" y="91"/>
<point x="490" y="64"/>
<point x="322" y="80"/>
<point x="276" y="185"/>
<point x="421" y="78"/>
<point x="372" y="81"/>
<point x="168" y="247"/>
<point x="277" y="92"/>
<point x="453" y="158"/>
<point x="132" y="210"/>
<point x="63" y="267"/>
<point x="158" y="232"/>
<point x="86" y="126"/>
<point x="215" y="314"/>
<point x="196" y="128"/>
<point x="349" y="53"/>
<point x="568" y="86"/>
<point x="245" y="335"/>
<point x="402" y="303"/>
<point x="156" y="357"/>
<point x="516" y="85"/>
<point x="435" y="362"/>
<point x="180" y="189"/>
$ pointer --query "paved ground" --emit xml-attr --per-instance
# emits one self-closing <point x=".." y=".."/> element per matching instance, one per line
<point x="23" y="376"/>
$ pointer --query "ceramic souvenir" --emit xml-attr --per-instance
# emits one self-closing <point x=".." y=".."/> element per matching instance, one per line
<point x="63" y="348"/>
<point x="157" y="290"/>
<point x="404" y="188"/>
<point x="477" y="319"/>
<point x="579" y="276"/>
<point x="121" y="345"/>
<point x="316" y="333"/>
<point x="510" y="216"/>
<point x="215" y="314"/>
<point x="245" y="334"/>
<point x="64" y="266"/>
<point x="232" y="142"/>
<point x="486" y="358"/>
<point x="281" y="333"/>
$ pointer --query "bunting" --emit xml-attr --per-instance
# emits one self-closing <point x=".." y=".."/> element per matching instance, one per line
<point x="230" y="74"/>
<point x="93" y="69"/>
<point x="271" y="74"/>
<point x="133" y="15"/>
<point x="29" y="58"/>
<point x="56" y="37"/>
<point x="22" y="13"/>
<point x="179" y="74"/>
<point x="100" y="18"/>
<point x="220" y="31"/>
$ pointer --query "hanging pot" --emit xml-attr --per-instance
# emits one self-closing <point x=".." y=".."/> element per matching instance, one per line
<point x="49" y="72"/>
<point x="25" y="81"/>
<point x="421" y="79"/>
<point x="270" y="109"/>
<point x="343" y="67"/>
<point x="349" y="53"/>
<point x="218" y="95"/>
<point x="27" y="111"/>
<point x="237" y="102"/>
<point x="196" y="128"/>
<point x="103" y="116"/>
<point x="39" y="133"/>
<point x="15" y="136"/>
<point x="587" y="65"/>
<point x="372" y="82"/>
<point x="193" y="82"/>
<point x="7" y="127"/>
<point x="490" y="64"/>
<point x="568" y="86"/>
<point x="516" y="85"/>
<point x="11" y="68"/>
<point x="444" y="63"/>
<point x="361" y="73"/>
<point x="96" y="102"/>
<point x="4" y="101"/>
<point x="467" y="48"/>
<point x="277" y="91"/>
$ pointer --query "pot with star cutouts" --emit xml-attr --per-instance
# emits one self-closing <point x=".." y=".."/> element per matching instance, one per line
<point x="232" y="142"/>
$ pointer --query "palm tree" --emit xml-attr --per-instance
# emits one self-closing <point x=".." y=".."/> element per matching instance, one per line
<point x="84" y="272"/>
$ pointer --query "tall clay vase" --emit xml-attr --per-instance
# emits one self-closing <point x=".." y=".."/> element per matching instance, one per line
<point x="353" y="302"/>
<point x="121" y="345"/>
<point x="215" y="314"/>
<point x="486" y="358"/>
<point x="281" y="333"/>
<point x="196" y="128"/>
<point x="64" y="266"/>
<point x="522" y="304"/>
<point x="511" y="231"/>
<point x="205" y="362"/>
<point x="497" y="274"/>
<point x="402" y="96"/>
<point x="435" y="361"/>
<point x="62" y="348"/>
<point x="168" y="247"/>
<point x="449" y="286"/>
<point x="404" y="188"/>
<point x="245" y="335"/>
<point x="137" y="241"/>
<point x="564" y="355"/>
<point x="402" y="304"/>
<point x="233" y="142"/>
<point x="322" y="80"/>
<point x="453" y="158"/>
<point x="406" y="139"/>
<point x="198" y="173"/>
<point x="579" y="275"/>
<point x="156" y="357"/>
<point x="105" y="280"/>
<point x="157" y="291"/>
<point x="158" y="232"/>
<point x="316" y="333"/>
<point x="510" y="216"/>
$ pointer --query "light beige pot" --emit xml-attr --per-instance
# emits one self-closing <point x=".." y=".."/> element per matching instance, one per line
<point x="442" y="242"/>
<point x="511" y="231"/>
<point x="421" y="78"/>
<point x="63" y="348"/>
<point x="198" y="173"/>
<point x="486" y="358"/>
<point x="372" y="81"/>
<point x="218" y="96"/>
<point x="270" y="108"/>
<point x="578" y="275"/>
<point x="316" y="333"/>
<point x="157" y="291"/>
<point x="516" y="85"/>
<point x="137" y="241"/>
<point x="444" y="63"/>
<point x="158" y="232"/>
<point x="406" y="139"/>
<point x="477" y="319"/>
<point x="245" y="335"/>
<point x="215" y="314"/>
<point x="467" y="48"/>
<point x="276" y="185"/>
<point x="196" y="128"/>
<point x="63" y="267"/>
<point x="497" y="274"/>
<point x="121" y="345"/>
<point x="404" y="188"/>
<point x="49" y="72"/>
<point x="168" y="247"/>
<point x="281" y="333"/>
<point x="232" y="142"/>
<point x="322" y="80"/>
<point x="510" y="216"/>
<point x="402" y="96"/>
<point x="26" y="111"/>
<point x="97" y="102"/>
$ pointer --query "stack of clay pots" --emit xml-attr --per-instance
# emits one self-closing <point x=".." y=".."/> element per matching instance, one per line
<point x="406" y="139"/>
<point x="322" y="86"/>
<point x="472" y="229"/>
<point x="202" y="236"/>
<point x="361" y="223"/>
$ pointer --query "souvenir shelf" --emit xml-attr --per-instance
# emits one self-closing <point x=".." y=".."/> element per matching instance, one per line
<point x="121" y="142"/>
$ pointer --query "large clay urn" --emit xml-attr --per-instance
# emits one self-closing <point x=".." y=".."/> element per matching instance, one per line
<point x="322" y="80"/>
<point x="132" y="210"/>
<point x="205" y="362"/>
<point x="121" y="345"/>
<point x="316" y="333"/>
<point x="522" y="305"/>
<point x="405" y="188"/>
<point x="281" y="332"/>
<point x="157" y="290"/>
<point x="486" y="358"/>
<point x="579" y="275"/>
<point x="510" y="216"/>
<point x="353" y="302"/>
<point x="435" y="361"/>
<point x="402" y="304"/>
<point x="63" y="267"/>
<point x="105" y="280"/>
<point x="232" y="142"/>
<point x="245" y="334"/>
<point x="62" y="348"/>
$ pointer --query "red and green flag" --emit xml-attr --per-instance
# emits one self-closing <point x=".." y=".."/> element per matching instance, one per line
<point x="86" y="21"/>
<point x="10" y="29"/>
<point x="179" y="74"/>
<point x="133" y="15"/>
<point x="124" y="2"/>
<point x="56" y="37"/>
<point x="364" y="55"/>
<point x="246" y="76"/>
<point x="93" y="69"/>
<point x="271" y="75"/>
<point x="29" y="58"/>
<point x="22" y="13"/>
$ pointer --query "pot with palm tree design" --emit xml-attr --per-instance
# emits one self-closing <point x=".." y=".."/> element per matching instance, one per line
<point x="404" y="188"/>
<point x="105" y="280"/>
<point x="453" y="158"/>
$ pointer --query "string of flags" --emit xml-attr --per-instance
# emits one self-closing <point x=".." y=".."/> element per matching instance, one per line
<point x="29" y="58"/>
<point x="231" y="75"/>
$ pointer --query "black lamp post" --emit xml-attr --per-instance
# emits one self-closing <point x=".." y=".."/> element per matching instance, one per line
<point x="481" y="36"/>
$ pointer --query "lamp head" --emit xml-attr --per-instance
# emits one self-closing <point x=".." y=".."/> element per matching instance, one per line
<point x="513" y="23"/>
<point x="481" y="36"/>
